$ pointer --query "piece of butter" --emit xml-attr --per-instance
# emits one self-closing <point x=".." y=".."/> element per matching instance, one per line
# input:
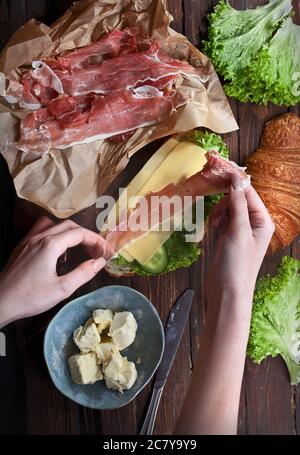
<point x="123" y="329"/>
<point x="103" y="319"/>
<point x="105" y="351"/>
<point x="84" y="368"/>
<point x="87" y="337"/>
<point x="119" y="373"/>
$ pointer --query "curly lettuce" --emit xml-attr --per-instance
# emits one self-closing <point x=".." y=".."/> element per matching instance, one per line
<point x="257" y="52"/>
<point x="272" y="77"/>
<point x="275" y="324"/>
<point x="210" y="141"/>
<point x="180" y="254"/>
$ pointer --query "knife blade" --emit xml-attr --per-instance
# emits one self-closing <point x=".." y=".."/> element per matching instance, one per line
<point x="176" y="323"/>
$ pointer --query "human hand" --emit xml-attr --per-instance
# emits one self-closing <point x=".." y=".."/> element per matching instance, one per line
<point x="245" y="229"/>
<point x="29" y="284"/>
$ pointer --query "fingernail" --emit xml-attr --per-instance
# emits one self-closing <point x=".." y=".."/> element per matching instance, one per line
<point x="99" y="263"/>
<point x="236" y="183"/>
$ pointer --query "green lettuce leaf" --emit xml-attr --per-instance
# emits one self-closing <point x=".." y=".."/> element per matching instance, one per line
<point x="180" y="254"/>
<point x="256" y="51"/>
<point x="210" y="141"/>
<point x="275" y="324"/>
<point x="270" y="76"/>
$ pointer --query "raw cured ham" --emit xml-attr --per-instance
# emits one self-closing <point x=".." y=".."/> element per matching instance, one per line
<point x="73" y="120"/>
<point x="214" y="178"/>
<point x="113" y="44"/>
<point x="20" y="92"/>
<point x="78" y="74"/>
<point x="121" y="72"/>
<point x="106" y="89"/>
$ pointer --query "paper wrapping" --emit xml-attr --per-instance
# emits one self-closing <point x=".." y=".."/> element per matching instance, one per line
<point x="67" y="181"/>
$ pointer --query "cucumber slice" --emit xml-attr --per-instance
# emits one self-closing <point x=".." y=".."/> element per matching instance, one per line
<point x="158" y="262"/>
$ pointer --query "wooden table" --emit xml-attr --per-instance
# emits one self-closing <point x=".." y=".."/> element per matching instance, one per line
<point x="29" y="402"/>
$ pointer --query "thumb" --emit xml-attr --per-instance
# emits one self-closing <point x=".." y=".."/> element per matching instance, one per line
<point x="81" y="275"/>
<point x="238" y="207"/>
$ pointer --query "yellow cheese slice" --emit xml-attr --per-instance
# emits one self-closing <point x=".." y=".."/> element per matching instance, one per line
<point x="145" y="247"/>
<point x="185" y="160"/>
<point x="134" y="187"/>
<point x="126" y="255"/>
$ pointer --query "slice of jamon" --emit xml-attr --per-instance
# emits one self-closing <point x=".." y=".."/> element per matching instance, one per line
<point x="20" y="92"/>
<point x="71" y="110"/>
<point x="214" y="178"/>
<point x="29" y="93"/>
<point x="120" y="60"/>
<point x="101" y="118"/>
<point x="45" y="76"/>
<point x="117" y="41"/>
<point x="43" y="94"/>
<point x="124" y="72"/>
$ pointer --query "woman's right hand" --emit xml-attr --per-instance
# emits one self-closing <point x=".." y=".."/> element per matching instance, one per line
<point x="245" y="229"/>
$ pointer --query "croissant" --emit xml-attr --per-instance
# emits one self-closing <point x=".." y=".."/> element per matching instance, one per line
<point x="275" y="174"/>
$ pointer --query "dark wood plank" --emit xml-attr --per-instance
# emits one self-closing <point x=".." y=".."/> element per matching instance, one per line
<point x="176" y="8"/>
<point x="12" y="395"/>
<point x="268" y="403"/>
<point x="296" y="396"/>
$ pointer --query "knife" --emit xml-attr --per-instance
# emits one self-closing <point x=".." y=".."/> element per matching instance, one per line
<point x="176" y="323"/>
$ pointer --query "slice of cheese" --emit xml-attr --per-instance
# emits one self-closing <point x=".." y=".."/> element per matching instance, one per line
<point x="173" y="162"/>
<point x="145" y="247"/>
<point x="134" y="187"/>
<point x="185" y="160"/>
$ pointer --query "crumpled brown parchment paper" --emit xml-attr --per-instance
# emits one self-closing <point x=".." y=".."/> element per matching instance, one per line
<point x="67" y="181"/>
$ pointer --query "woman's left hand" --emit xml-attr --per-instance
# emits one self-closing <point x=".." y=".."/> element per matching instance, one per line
<point x="29" y="284"/>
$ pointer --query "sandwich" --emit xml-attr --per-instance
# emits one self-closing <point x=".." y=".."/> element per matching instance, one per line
<point x="194" y="165"/>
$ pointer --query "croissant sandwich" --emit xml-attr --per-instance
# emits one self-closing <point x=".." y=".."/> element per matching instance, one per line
<point x="180" y="169"/>
<point x="275" y="174"/>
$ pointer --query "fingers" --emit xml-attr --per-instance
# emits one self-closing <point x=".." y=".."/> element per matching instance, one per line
<point x="258" y="213"/>
<point x="219" y="218"/>
<point x="79" y="276"/>
<point x="62" y="235"/>
<point x="79" y="235"/>
<point x="238" y="207"/>
<point x="41" y="225"/>
<point x="57" y="228"/>
<point x="218" y="212"/>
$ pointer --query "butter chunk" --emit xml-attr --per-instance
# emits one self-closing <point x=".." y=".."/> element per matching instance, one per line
<point x="105" y="351"/>
<point x="119" y="373"/>
<point x="123" y="329"/>
<point x="84" y="368"/>
<point x="87" y="337"/>
<point x="103" y="319"/>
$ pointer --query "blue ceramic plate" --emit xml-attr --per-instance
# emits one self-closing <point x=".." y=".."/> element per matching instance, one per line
<point x="146" y="351"/>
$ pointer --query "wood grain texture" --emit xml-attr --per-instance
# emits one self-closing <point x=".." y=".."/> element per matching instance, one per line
<point x="269" y="405"/>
